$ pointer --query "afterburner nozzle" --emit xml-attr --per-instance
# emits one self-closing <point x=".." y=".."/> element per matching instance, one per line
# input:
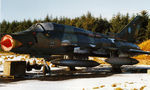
<point x="8" y="43"/>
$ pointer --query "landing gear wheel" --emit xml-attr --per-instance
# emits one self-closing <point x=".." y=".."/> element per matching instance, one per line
<point x="37" y="67"/>
<point x="116" y="68"/>
<point x="28" y="67"/>
<point x="72" y="68"/>
<point x="46" y="69"/>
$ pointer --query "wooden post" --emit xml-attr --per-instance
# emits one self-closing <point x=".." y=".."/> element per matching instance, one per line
<point x="14" y="68"/>
<point x="148" y="71"/>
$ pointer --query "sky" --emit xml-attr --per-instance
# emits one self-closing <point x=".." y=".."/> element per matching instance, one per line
<point x="37" y="9"/>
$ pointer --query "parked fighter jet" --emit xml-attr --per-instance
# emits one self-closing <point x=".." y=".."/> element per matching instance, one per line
<point x="46" y="39"/>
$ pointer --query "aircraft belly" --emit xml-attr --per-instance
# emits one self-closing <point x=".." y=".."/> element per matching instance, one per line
<point x="63" y="50"/>
<point x="103" y="43"/>
<point x="100" y="53"/>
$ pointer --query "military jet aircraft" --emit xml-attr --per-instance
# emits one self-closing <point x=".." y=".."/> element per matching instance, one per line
<point x="76" y="44"/>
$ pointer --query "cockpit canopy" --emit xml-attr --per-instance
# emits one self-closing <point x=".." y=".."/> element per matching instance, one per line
<point x="46" y="26"/>
<point x="39" y="27"/>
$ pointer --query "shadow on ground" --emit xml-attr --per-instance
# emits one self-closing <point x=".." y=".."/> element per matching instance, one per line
<point x="59" y="76"/>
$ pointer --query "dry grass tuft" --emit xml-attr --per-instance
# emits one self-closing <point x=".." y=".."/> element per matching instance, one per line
<point x="114" y="85"/>
<point x="144" y="59"/>
<point x="134" y="89"/>
<point x="142" y="88"/>
<point x="118" y="88"/>
<point x="145" y="45"/>
<point x="102" y="86"/>
<point x="95" y="87"/>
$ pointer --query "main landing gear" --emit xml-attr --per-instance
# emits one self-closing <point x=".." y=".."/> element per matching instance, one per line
<point x="116" y="68"/>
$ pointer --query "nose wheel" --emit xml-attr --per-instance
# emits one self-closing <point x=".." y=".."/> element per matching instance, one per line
<point x="46" y="68"/>
<point x="72" y="68"/>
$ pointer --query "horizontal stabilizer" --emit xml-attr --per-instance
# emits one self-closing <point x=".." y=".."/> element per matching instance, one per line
<point x="139" y="51"/>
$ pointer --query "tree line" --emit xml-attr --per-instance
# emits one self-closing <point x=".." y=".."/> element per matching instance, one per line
<point x="88" y="22"/>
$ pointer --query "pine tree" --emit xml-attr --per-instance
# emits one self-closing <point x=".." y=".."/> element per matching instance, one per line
<point x="102" y="25"/>
<point x="48" y="18"/>
<point x="148" y="30"/>
<point x="143" y="30"/>
<point x="4" y="26"/>
<point x="118" y="22"/>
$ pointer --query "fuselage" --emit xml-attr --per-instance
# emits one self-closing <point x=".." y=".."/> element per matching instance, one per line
<point x="51" y="38"/>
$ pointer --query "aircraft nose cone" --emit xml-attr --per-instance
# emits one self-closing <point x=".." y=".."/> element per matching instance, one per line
<point x="8" y="43"/>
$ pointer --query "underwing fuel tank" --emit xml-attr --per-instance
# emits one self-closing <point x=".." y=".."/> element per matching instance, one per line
<point x="75" y="63"/>
<point x="121" y="61"/>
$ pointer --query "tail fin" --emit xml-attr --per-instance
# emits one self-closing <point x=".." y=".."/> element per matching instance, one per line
<point x="130" y="32"/>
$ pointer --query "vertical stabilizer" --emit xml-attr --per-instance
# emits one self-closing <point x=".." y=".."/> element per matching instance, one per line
<point x="130" y="31"/>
